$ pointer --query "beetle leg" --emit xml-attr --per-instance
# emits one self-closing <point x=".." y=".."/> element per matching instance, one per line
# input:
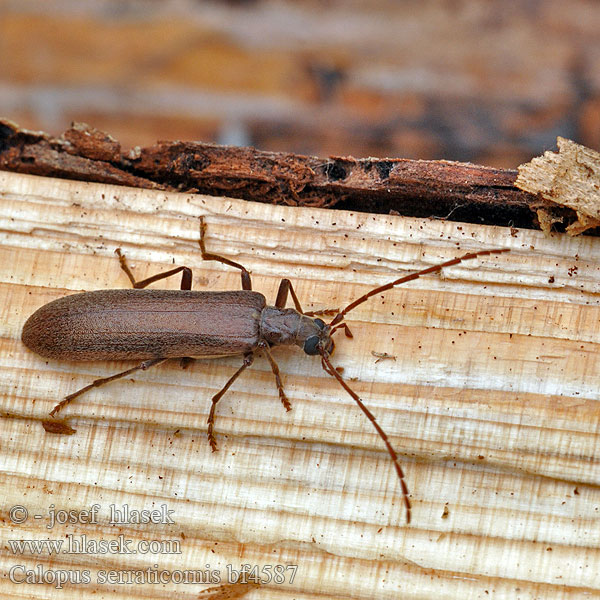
<point x="285" y="287"/>
<point x="346" y="329"/>
<point x="98" y="382"/>
<point x="284" y="399"/>
<point x="248" y="360"/>
<point x="246" y="282"/>
<point x="324" y="311"/>
<point x="186" y="276"/>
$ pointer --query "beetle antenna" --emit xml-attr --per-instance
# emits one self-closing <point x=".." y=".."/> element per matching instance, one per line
<point x="329" y="368"/>
<point x="415" y="275"/>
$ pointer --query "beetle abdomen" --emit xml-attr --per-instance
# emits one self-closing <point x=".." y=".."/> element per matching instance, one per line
<point x="143" y="324"/>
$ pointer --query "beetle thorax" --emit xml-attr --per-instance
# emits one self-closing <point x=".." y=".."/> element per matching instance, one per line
<point x="284" y="326"/>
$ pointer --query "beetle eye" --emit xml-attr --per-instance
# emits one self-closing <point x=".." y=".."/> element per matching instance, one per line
<point x="311" y="345"/>
<point x="319" y="323"/>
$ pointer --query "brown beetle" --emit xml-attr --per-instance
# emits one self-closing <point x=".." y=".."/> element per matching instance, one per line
<point x="156" y="325"/>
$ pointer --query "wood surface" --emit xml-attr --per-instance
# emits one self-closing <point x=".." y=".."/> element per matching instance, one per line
<point x="491" y="401"/>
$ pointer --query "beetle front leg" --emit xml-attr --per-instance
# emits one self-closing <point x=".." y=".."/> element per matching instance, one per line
<point x="285" y="288"/>
<point x="248" y="360"/>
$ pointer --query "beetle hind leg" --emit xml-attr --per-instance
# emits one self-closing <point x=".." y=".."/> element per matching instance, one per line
<point x="98" y="382"/>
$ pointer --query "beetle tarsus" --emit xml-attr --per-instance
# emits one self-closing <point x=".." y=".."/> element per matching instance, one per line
<point x="211" y="438"/>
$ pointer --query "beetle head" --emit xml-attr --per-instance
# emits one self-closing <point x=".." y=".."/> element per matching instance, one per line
<point x="320" y="340"/>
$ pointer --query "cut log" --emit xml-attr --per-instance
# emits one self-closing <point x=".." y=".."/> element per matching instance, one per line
<point x="491" y="402"/>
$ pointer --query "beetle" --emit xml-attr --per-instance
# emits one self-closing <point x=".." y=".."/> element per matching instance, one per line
<point x="156" y="325"/>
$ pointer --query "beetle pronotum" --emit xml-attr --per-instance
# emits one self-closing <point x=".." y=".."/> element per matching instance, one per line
<point x="156" y="325"/>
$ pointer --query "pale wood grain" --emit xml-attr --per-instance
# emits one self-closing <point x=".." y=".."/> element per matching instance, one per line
<point x="492" y="402"/>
